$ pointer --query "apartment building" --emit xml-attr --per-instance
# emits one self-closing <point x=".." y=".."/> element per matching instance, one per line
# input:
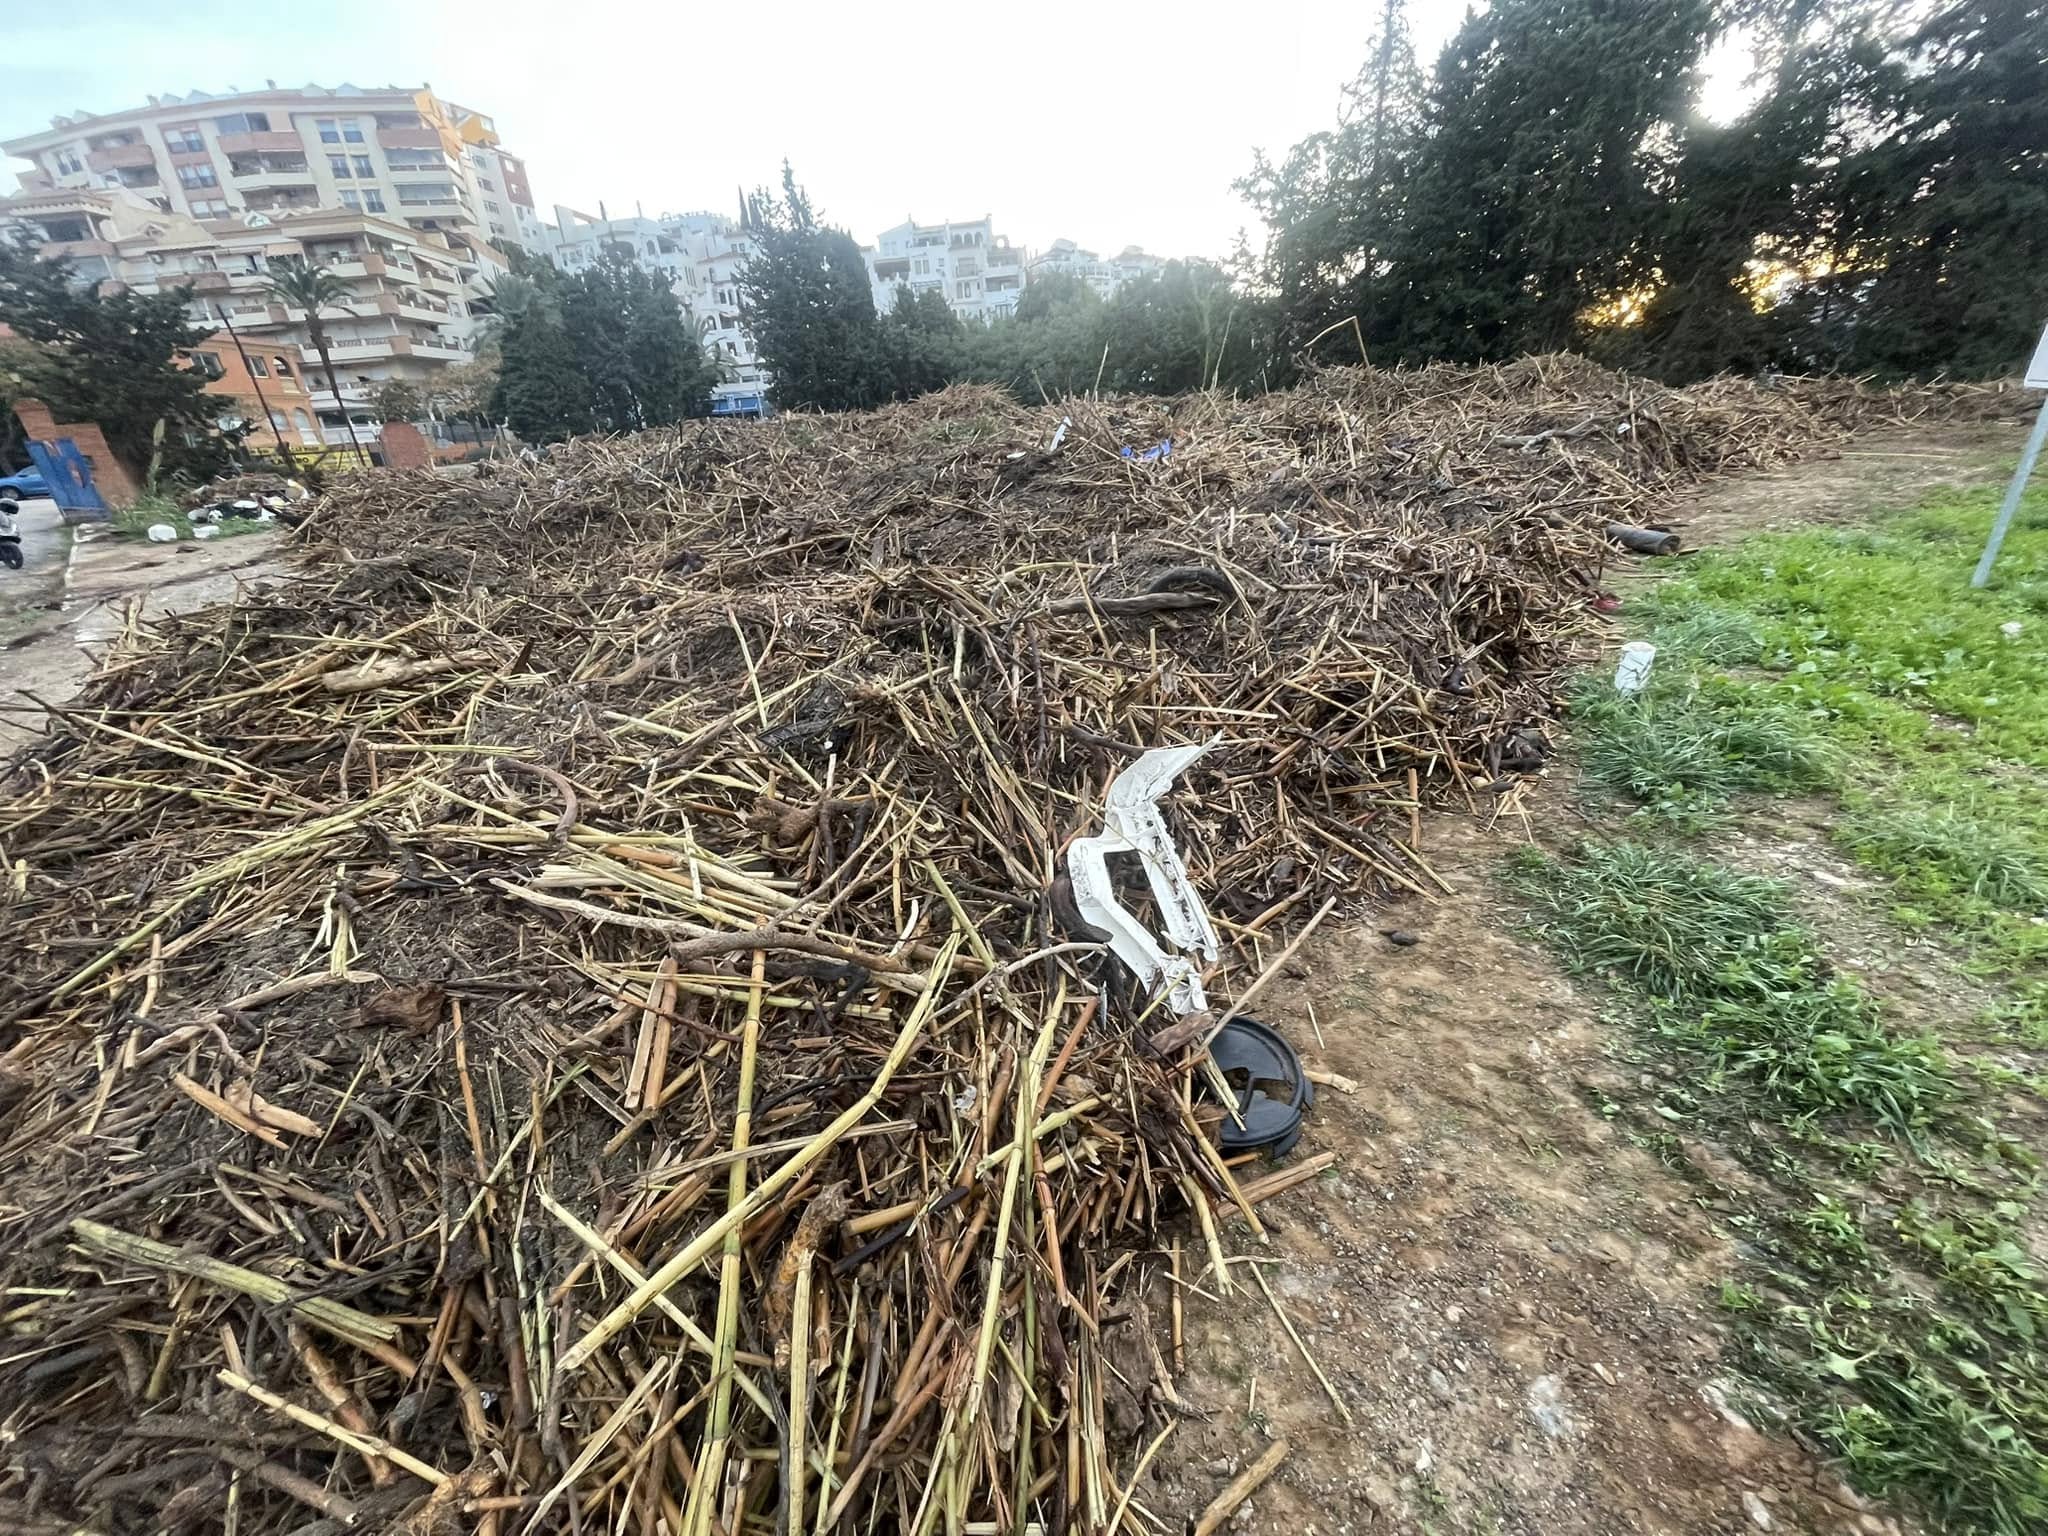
<point x="410" y="310"/>
<point x="1105" y="275"/>
<point x="700" y="256"/>
<point x="394" y="152"/>
<point x="980" y="276"/>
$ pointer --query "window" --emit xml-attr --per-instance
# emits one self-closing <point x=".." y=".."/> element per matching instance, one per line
<point x="201" y="175"/>
<point x="338" y="166"/>
<point x="351" y="130"/>
<point x="284" y="367"/>
<point x="68" y="163"/>
<point x="415" y="160"/>
<point x="329" y="133"/>
<point x="243" y="122"/>
<point x="304" y="424"/>
<point x="487" y="184"/>
<point x="209" y="208"/>
<point x="490" y="205"/>
<point x="208" y="363"/>
<point x="373" y="201"/>
<point x="257" y="369"/>
<point x="352" y="199"/>
<point x="184" y="141"/>
<point x="364" y="169"/>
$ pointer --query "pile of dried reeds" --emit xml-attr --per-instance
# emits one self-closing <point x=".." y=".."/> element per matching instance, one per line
<point x="561" y="1017"/>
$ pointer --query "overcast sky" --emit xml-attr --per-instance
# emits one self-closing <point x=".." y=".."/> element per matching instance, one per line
<point x="1112" y="124"/>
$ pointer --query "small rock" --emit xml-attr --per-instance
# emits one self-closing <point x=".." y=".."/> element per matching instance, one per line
<point x="1605" y="1374"/>
<point x="1759" y="1513"/>
<point x="1401" y="938"/>
<point x="1841" y="1493"/>
<point x="1454" y="1314"/>
<point x="1440" y="1384"/>
<point x="1545" y="1402"/>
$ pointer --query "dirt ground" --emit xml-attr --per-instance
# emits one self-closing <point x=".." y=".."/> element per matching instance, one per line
<point x="1511" y="1300"/>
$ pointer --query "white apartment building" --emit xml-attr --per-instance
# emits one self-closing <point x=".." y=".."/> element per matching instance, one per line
<point x="394" y="152"/>
<point x="980" y="276"/>
<point x="407" y="317"/>
<point x="1066" y="259"/>
<point x="700" y="254"/>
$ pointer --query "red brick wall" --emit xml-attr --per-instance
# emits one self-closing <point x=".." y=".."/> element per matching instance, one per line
<point x="404" y="447"/>
<point x="110" y="476"/>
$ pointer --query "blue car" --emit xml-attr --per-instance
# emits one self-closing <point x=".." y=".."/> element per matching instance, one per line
<point x="24" y="486"/>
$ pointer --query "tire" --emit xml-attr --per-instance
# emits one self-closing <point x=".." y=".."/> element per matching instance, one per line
<point x="10" y="555"/>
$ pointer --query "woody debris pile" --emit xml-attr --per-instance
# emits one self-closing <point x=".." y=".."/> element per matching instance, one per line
<point x="568" y="1014"/>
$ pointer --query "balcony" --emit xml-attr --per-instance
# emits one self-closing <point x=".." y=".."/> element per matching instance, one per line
<point x="122" y="157"/>
<point x="75" y="249"/>
<point x="261" y="144"/>
<point x="200" y="282"/>
<point x="409" y="138"/>
<point x="349" y="350"/>
<point x="361" y="266"/>
<point x="272" y="180"/>
<point x="420" y="308"/>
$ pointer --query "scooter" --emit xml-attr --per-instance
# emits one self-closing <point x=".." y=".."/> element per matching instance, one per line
<point x="10" y="535"/>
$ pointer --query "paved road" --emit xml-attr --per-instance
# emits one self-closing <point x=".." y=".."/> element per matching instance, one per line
<point x="44" y="538"/>
<point x="69" y="603"/>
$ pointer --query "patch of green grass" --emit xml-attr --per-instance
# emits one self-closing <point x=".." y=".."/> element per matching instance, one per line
<point x="1692" y="740"/>
<point x="1954" y="852"/>
<point x="1890" y="1300"/>
<point x="1731" y="978"/>
<point x="1866" y="664"/>
<point x="134" y="522"/>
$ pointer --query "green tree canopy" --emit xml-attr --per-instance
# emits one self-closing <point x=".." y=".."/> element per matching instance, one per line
<point x="540" y="393"/>
<point x="116" y="357"/>
<point x="808" y="303"/>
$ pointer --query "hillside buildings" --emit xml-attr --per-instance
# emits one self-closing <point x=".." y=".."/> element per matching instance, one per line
<point x="413" y="307"/>
<point x="1063" y="258"/>
<point x="394" y="152"/>
<point x="980" y="276"/>
<point x="700" y="255"/>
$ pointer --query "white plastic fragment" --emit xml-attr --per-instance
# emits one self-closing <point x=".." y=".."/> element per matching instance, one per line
<point x="1131" y="823"/>
<point x="162" y="533"/>
<point x="1634" y="670"/>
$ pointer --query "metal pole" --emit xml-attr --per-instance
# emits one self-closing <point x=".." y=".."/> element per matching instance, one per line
<point x="262" y="404"/>
<point x="2012" y="495"/>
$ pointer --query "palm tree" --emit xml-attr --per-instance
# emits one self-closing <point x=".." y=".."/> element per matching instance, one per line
<point x="310" y="286"/>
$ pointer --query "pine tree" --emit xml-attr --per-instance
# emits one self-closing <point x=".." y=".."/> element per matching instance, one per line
<point x="672" y="375"/>
<point x="593" y="307"/>
<point x="1766" y="214"/>
<point x="115" y="357"/>
<point x="1537" y="192"/>
<point x="1335" y="204"/>
<point x="541" y="393"/>
<point x="810" y="307"/>
<point x="922" y="338"/>
<point x="1959" y="278"/>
